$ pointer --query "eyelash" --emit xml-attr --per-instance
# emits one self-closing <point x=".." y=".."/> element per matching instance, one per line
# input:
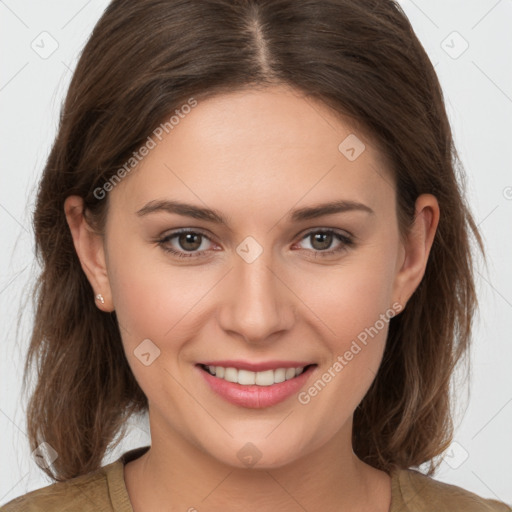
<point x="347" y="242"/>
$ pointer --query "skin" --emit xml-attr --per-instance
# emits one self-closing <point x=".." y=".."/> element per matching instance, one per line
<point x="254" y="156"/>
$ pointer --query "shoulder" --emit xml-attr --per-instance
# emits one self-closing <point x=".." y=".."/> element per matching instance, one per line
<point x="84" y="493"/>
<point x="416" y="492"/>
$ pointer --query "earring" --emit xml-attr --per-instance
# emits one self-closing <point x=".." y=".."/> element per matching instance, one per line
<point x="100" y="298"/>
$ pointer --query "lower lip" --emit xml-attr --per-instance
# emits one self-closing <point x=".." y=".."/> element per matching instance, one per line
<point x="256" y="397"/>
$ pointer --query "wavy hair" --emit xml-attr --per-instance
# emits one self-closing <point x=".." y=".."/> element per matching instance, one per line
<point x="144" y="59"/>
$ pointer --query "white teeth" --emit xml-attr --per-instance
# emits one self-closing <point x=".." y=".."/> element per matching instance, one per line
<point x="231" y="375"/>
<point x="279" y="375"/>
<point x="265" y="378"/>
<point x="248" y="378"/>
<point x="290" y="373"/>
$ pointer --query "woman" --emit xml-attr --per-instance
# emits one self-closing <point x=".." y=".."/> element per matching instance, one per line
<point x="250" y="227"/>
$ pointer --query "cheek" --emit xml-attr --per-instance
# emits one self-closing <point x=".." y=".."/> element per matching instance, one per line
<point x="352" y="307"/>
<point x="354" y="312"/>
<point x="148" y="302"/>
<point x="153" y="298"/>
<point x="152" y="302"/>
<point x="352" y="296"/>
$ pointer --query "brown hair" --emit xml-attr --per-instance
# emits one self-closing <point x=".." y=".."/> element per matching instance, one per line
<point x="144" y="59"/>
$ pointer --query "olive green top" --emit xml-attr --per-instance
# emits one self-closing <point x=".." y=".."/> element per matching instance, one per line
<point x="104" y="490"/>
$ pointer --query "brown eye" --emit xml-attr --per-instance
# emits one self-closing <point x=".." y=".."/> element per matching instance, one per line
<point x="185" y="243"/>
<point x="189" y="241"/>
<point x="321" y="241"/>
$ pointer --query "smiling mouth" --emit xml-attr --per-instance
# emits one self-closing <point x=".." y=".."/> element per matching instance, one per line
<point x="248" y="378"/>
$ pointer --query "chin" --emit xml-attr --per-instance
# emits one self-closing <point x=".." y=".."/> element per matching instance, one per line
<point x="255" y="455"/>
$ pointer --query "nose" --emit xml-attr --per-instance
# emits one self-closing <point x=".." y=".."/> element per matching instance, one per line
<point x="257" y="304"/>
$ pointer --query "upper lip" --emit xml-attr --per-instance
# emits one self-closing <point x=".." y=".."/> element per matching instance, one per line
<point x="256" y="367"/>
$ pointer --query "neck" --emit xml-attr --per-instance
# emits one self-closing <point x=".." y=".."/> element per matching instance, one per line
<point x="175" y="474"/>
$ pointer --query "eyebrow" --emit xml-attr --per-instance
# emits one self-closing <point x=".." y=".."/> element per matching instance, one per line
<point x="207" y="214"/>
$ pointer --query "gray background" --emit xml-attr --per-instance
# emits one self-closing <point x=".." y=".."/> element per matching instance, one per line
<point x="477" y="82"/>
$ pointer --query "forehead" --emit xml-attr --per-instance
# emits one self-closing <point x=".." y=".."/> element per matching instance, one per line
<point x="255" y="149"/>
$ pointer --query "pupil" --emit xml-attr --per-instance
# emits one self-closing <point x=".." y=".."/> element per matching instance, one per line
<point x="188" y="238"/>
<point x="322" y="237"/>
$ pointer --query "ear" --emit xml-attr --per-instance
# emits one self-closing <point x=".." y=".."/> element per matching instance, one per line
<point x="416" y="249"/>
<point x="89" y="246"/>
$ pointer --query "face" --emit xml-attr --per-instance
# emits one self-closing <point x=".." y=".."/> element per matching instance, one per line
<point x="263" y="283"/>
